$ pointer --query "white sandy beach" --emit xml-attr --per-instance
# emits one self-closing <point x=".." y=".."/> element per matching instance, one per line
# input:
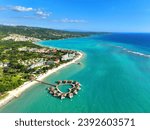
<point x="18" y="91"/>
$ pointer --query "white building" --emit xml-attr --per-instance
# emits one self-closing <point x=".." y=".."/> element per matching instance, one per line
<point x="50" y="62"/>
<point x="3" y="64"/>
<point x="37" y="64"/>
<point x="68" y="57"/>
<point x="71" y="55"/>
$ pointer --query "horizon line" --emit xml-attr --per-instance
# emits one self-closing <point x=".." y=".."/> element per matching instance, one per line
<point x="73" y="30"/>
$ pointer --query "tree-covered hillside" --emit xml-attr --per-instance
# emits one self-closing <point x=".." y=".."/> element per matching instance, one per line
<point x="36" y="32"/>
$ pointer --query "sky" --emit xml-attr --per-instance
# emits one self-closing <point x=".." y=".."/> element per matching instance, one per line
<point x="78" y="15"/>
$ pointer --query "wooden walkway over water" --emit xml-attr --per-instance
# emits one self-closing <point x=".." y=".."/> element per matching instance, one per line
<point x="45" y="83"/>
<point x="55" y="91"/>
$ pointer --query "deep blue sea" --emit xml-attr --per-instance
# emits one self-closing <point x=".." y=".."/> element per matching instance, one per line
<point x="115" y="77"/>
<point x="140" y="41"/>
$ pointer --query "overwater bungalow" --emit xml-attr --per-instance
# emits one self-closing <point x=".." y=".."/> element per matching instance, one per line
<point x="64" y="81"/>
<point x="59" y="82"/>
<point x="59" y="94"/>
<point x="51" y="88"/>
<point x="55" y="91"/>
<point x="78" y="88"/>
<point x="75" y="92"/>
<point x="63" y="95"/>
<point x="69" y="81"/>
<point x="76" y="83"/>
<point x="70" y="95"/>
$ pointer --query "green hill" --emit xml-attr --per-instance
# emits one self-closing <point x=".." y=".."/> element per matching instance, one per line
<point x="37" y="32"/>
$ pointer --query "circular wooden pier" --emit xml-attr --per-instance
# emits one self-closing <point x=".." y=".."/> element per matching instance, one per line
<point x="56" y="92"/>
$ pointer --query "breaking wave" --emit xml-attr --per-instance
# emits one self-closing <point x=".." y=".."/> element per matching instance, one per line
<point x="132" y="52"/>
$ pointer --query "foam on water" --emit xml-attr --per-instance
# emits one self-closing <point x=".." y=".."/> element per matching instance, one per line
<point x="132" y="52"/>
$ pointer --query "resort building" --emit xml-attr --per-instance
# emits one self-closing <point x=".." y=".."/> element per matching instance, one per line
<point x="38" y="64"/>
<point x="50" y="62"/>
<point x="56" y="61"/>
<point x="68" y="57"/>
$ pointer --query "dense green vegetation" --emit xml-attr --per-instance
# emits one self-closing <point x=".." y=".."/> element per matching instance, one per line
<point x="13" y="76"/>
<point x="17" y="66"/>
<point x="16" y="73"/>
<point x="41" y="33"/>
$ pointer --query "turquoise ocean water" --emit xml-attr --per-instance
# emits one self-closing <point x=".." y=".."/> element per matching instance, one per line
<point x="115" y="77"/>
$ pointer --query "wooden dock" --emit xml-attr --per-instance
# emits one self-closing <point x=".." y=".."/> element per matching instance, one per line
<point x="56" y="92"/>
<point x="45" y="83"/>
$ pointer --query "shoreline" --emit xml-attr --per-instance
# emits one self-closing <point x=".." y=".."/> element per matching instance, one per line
<point x="18" y="91"/>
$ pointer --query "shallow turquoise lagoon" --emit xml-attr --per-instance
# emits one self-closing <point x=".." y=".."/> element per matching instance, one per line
<point x="113" y="80"/>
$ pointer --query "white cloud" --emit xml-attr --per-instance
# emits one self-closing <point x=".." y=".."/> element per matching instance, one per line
<point x="21" y="9"/>
<point x="8" y="24"/>
<point x="43" y="14"/>
<point x="66" y="20"/>
<point x="38" y="12"/>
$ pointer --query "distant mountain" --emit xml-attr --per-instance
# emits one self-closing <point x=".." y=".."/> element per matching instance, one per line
<point x="37" y="32"/>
